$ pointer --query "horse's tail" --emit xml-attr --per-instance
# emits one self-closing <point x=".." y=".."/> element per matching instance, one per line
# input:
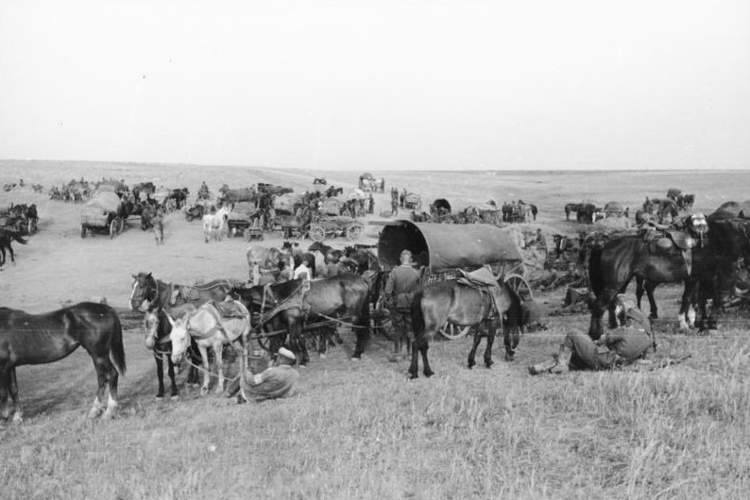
<point x="596" y="277"/>
<point x="515" y="313"/>
<point x="417" y="315"/>
<point x="116" y="349"/>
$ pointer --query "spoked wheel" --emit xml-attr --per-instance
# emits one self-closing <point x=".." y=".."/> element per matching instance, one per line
<point x="452" y="332"/>
<point x="520" y="286"/>
<point x="317" y="233"/>
<point x="354" y="231"/>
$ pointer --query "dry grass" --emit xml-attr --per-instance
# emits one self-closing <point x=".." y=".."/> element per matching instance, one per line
<point x="360" y="430"/>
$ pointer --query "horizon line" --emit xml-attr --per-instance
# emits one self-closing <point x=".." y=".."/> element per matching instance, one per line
<point x="447" y="170"/>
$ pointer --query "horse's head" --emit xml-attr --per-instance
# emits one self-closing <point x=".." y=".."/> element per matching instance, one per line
<point x="179" y="337"/>
<point x="151" y="328"/>
<point x="144" y="292"/>
<point x="697" y="226"/>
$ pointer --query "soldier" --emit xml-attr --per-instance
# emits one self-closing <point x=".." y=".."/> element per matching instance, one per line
<point x="618" y="347"/>
<point x="402" y="285"/>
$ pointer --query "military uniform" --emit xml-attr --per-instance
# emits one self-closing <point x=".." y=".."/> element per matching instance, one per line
<point x="402" y="285"/>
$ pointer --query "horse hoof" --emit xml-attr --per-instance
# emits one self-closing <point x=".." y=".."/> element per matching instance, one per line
<point x="471" y="365"/>
<point x="159" y="397"/>
<point x="509" y="357"/>
<point x="413" y="376"/>
<point x="175" y="397"/>
<point x="204" y="391"/>
<point x="489" y="364"/>
<point x="429" y="374"/>
<point x="17" y="418"/>
<point x="356" y="358"/>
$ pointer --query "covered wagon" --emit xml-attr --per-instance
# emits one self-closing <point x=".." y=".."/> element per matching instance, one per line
<point x="105" y="212"/>
<point x="440" y="250"/>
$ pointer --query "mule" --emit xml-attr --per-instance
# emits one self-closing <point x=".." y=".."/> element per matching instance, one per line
<point x="451" y="302"/>
<point x="32" y="339"/>
<point x="214" y="224"/>
<point x="210" y="329"/>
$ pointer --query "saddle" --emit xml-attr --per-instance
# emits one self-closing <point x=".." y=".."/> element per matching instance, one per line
<point x="229" y="309"/>
<point x="483" y="281"/>
<point x="667" y="239"/>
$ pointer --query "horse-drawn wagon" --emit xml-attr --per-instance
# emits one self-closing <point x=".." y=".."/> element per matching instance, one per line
<point x="441" y="250"/>
<point x="412" y="201"/>
<point x="105" y="212"/>
<point x="331" y="227"/>
<point x="245" y="220"/>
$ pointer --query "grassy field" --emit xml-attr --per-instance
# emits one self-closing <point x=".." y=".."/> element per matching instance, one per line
<point x="360" y="429"/>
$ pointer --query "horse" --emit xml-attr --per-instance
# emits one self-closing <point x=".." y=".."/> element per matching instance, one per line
<point x="570" y="208"/>
<point x="451" y="302"/>
<point x="697" y="227"/>
<point x="209" y="327"/>
<point x="150" y="296"/>
<point x="265" y="263"/>
<point x="613" y="265"/>
<point x="534" y="210"/>
<point x="157" y="329"/>
<point x="320" y="180"/>
<point x="32" y="339"/>
<point x="6" y="238"/>
<point x="290" y="304"/>
<point x="214" y="224"/>
<point x="157" y="225"/>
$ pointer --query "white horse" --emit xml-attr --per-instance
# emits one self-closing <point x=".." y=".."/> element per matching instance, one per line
<point x="213" y="224"/>
<point x="209" y="327"/>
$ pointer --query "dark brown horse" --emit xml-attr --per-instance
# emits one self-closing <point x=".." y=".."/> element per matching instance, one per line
<point x="33" y="339"/>
<point x="6" y="238"/>
<point x="451" y="302"/>
<point x="612" y="266"/>
<point x="289" y="305"/>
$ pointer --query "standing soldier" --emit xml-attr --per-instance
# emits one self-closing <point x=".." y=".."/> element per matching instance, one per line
<point x="400" y="289"/>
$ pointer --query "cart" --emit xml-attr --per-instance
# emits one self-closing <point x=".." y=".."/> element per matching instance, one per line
<point x="103" y="213"/>
<point x="412" y="201"/>
<point x="331" y="227"/>
<point x="442" y="249"/>
<point x="245" y="220"/>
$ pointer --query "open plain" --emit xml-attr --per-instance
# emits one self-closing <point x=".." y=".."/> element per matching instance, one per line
<point x="360" y="429"/>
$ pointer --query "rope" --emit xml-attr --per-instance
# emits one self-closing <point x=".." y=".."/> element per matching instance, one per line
<point x="200" y="368"/>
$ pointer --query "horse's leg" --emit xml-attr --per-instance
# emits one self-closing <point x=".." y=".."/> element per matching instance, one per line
<point x="160" y="373"/>
<point x="490" y="340"/>
<point x="686" y="306"/>
<point x="5" y="409"/>
<point x="101" y="377"/>
<point x="638" y="290"/>
<point x="423" y="349"/>
<point x="414" y="366"/>
<point x="510" y="340"/>
<point x="17" y="414"/>
<point x="206" y="369"/>
<point x="475" y="345"/>
<point x="170" y="371"/>
<point x="650" y="287"/>
<point x="218" y="353"/>
<point x="112" y="377"/>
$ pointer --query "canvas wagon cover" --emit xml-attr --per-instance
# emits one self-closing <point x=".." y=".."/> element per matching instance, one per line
<point x="447" y="246"/>
<point x="286" y="202"/>
<point x="103" y="202"/>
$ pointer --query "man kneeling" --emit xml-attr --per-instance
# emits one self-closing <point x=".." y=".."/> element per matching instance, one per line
<point x="621" y="346"/>
<point x="278" y="381"/>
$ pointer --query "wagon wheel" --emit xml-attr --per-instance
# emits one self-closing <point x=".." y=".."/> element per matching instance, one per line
<point x="84" y="231"/>
<point x="452" y="332"/>
<point x="265" y="343"/>
<point x="121" y="227"/>
<point x="519" y="285"/>
<point x="354" y="231"/>
<point x="113" y="224"/>
<point x="317" y="233"/>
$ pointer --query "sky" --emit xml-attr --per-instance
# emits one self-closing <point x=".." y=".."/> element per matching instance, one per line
<point x="379" y="85"/>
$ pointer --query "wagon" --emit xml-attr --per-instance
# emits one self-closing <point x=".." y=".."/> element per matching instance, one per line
<point x="331" y="206"/>
<point x="441" y="250"/>
<point x="413" y="201"/>
<point x="103" y="213"/>
<point x="331" y="227"/>
<point x="245" y="220"/>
